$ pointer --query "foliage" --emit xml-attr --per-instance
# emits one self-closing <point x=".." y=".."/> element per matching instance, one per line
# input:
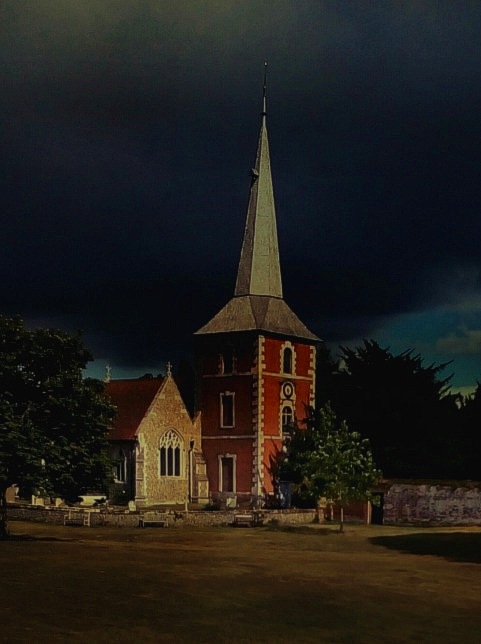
<point x="326" y="459"/>
<point x="403" y="407"/>
<point x="469" y="434"/>
<point x="53" y="423"/>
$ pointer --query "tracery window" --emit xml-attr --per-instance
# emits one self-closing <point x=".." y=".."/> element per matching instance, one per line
<point x="170" y="454"/>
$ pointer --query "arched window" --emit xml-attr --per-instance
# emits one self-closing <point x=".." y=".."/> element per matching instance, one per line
<point x="287" y="418"/>
<point x="119" y="466"/>
<point x="287" y="360"/>
<point x="170" y="454"/>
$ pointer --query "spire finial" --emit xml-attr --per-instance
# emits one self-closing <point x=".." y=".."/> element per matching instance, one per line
<point x="264" y="106"/>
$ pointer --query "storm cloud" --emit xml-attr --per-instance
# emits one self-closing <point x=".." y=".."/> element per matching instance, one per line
<point x="128" y="132"/>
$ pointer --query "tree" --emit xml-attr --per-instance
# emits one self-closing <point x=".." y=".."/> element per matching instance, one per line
<point x="53" y="422"/>
<point x="403" y="407"/>
<point x="326" y="459"/>
<point x="469" y="434"/>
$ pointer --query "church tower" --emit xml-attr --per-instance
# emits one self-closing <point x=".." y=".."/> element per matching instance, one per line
<point x="255" y="358"/>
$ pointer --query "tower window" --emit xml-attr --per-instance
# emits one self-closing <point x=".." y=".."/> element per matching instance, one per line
<point x="227" y="409"/>
<point x="287" y="418"/>
<point x="170" y="454"/>
<point x="287" y="360"/>
<point x="227" y="362"/>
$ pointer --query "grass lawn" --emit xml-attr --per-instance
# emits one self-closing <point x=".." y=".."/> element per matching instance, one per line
<point x="307" y="584"/>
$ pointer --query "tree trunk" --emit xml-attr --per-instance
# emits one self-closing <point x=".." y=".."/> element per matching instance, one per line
<point x="341" y="519"/>
<point x="4" y="533"/>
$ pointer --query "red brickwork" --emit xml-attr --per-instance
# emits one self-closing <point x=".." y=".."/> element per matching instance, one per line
<point x="257" y="382"/>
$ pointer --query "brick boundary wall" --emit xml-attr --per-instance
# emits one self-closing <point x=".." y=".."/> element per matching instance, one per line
<point x="125" y="518"/>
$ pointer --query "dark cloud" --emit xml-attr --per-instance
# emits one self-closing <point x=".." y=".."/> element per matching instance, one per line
<point x="128" y="130"/>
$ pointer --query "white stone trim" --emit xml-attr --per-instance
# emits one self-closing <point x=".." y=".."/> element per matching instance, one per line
<point x="258" y="420"/>
<point x="312" y="373"/>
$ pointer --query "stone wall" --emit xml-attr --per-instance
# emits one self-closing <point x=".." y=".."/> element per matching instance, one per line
<point x="125" y="518"/>
<point x="456" y="504"/>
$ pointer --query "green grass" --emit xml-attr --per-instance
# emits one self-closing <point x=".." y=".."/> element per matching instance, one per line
<point x="306" y="584"/>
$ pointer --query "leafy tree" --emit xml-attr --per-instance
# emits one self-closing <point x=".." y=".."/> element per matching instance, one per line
<point x="53" y="423"/>
<point x="326" y="459"/>
<point x="402" y="406"/>
<point x="469" y="434"/>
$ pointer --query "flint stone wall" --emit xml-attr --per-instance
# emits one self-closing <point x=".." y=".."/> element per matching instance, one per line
<point x="125" y="518"/>
<point x="433" y="504"/>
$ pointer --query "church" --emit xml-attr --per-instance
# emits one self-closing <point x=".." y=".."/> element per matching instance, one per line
<point x="255" y="374"/>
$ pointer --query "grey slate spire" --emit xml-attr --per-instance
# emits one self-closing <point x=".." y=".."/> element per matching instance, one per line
<point x="258" y="303"/>
<point x="259" y="270"/>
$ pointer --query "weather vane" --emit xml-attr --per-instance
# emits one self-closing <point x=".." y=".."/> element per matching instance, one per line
<point x="264" y="90"/>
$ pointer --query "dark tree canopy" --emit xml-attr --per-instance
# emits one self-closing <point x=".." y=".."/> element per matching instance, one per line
<point x="53" y="422"/>
<point x="470" y="433"/>
<point x="403" y="407"/>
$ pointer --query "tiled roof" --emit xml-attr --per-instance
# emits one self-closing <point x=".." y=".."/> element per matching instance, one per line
<point x="132" y="399"/>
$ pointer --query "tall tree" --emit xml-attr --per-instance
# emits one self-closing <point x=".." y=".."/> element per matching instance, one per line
<point x="403" y="407"/>
<point x="53" y="422"/>
<point x="326" y="459"/>
<point x="469" y="433"/>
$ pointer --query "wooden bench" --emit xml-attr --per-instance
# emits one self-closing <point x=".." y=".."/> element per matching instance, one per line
<point x="74" y="518"/>
<point x="154" y="520"/>
<point x="249" y="519"/>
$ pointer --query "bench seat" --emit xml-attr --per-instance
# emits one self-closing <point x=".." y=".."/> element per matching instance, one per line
<point x="77" y="519"/>
<point x="249" y="519"/>
<point x="154" y="520"/>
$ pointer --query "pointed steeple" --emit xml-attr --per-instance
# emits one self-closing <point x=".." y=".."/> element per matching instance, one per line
<point x="259" y="271"/>
<point x="258" y="303"/>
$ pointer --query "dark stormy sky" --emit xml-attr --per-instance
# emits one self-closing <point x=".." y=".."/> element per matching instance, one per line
<point x="128" y="129"/>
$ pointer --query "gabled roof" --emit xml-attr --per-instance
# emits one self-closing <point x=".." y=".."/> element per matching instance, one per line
<point x="254" y="312"/>
<point x="132" y="399"/>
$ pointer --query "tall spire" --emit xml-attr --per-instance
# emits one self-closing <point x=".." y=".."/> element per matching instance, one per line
<point x="259" y="271"/>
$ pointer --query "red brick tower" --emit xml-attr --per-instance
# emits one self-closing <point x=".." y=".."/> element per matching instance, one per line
<point x="255" y="358"/>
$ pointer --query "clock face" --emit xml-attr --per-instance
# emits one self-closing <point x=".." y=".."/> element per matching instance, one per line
<point x="287" y="389"/>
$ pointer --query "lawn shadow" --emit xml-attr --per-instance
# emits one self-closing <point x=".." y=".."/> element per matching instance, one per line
<point x="299" y="529"/>
<point x="454" y="546"/>
<point x="30" y="537"/>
